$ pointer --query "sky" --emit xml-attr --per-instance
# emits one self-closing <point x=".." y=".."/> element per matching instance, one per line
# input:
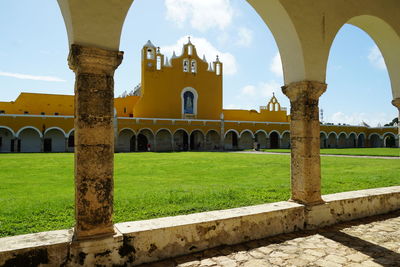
<point x="34" y="50"/>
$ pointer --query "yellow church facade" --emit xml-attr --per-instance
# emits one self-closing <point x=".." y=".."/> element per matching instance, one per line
<point x="177" y="107"/>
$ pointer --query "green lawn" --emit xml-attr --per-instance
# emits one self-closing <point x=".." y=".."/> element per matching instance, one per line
<point x="387" y="152"/>
<point x="37" y="190"/>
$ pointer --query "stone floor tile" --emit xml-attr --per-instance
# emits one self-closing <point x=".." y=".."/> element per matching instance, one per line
<point x="256" y="262"/>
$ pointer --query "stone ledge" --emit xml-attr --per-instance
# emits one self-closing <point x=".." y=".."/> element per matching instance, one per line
<point x="347" y="206"/>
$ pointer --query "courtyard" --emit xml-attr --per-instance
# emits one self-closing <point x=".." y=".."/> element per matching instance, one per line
<point x="169" y="184"/>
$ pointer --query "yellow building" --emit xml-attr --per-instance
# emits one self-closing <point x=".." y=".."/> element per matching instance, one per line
<point x="178" y="106"/>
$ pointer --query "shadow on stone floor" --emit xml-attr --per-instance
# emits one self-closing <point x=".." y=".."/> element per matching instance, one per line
<point x="380" y="255"/>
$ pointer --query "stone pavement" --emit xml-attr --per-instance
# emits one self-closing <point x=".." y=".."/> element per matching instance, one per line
<point x="369" y="242"/>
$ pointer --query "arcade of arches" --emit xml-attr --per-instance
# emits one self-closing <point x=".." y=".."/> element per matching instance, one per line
<point x="304" y="31"/>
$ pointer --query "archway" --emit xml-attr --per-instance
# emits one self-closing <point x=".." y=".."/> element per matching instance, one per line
<point x="54" y="141"/>
<point x="71" y="141"/>
<point x="352" y="141"/>
<point x="7" y="138"/>
<point x="29" y="140"/>
<point x="261" y="139"/>
<point x="181" y="140"/>
<point x="246" y="140"/>
<point x="212" y="140"/>
<point x="375" y="141"/>
<point x="145" y="140"/>
<point x="126" y="141"/>
<point x="389" y="140"/>
<point x="231" y="140"/>
<point x="342" y="140"/>
<point x="196" y="140"/>
<point x="163" y="140"/>
<point x="332" y="140"/>
<point x="274" y="140"/>
<point x="361" y="140"/>
<point x="323" y="140"/>
<point x="285" y="140"/>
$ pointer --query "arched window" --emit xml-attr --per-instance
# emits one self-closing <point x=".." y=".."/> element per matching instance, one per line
<point x="158" y="62"/>
<point x="193" y="66"/>
<point x="150" y="53"/>
<point x="190" y="50"/>
<point x="218" y="69"/>
<point x="186" y="65"/>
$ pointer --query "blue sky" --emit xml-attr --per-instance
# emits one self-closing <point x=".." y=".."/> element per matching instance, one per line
<point x="34" y="50"/>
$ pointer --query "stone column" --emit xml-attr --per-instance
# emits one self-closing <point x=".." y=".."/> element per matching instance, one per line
<point x="396" y="103"/>
<point x="305" y="140"/>
<point x="94" y="139"/>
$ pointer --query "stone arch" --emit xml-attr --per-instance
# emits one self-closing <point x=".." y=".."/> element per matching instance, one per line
<point x="352" y="140"/>
<point x="212" y="140"/>
<point x="286" y="36"/>
<point x="361" y="140"/>
<point x="7" y="137"/>
<point x="96" y="24"/>
<point x="274" y="139"/>
<point x="323" y="136"/>
<point x="54" y="140"/>
<point x="196" y="140"/>
<point x="261" y="138"/>
<point x="231" y="139"/>
<point x="163" y="140"/>
<point x="145" y="140"/>
<point x="332" y="140"/>
<point x="388" y="42"/>
<point x="389" y="139"/>
<point x="342" y="140"/>
<point x="181" y="140"/>
<point x="285" y="139"/>
<point x="246" y="140"/>
<point x="375" y="140"/>
<point x="29" y="139"/>
<point x="126" y="140"/>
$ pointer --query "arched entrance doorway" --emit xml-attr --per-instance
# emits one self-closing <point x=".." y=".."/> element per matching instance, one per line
<point x="163" y="140"/>
<point x="352" y="142"/>
<point x="126" y="141"/>
<point x="29" y="140"/>
<point x="196" y="140"/>
<point x="231" y="140"/>
<point x="375" y="141"/>
<point x="274" y="140"/>
<point x="342" y="140"/>
<point x="145" y="140"/>
<point x="212" y="140"/>
<point x="285" y="140"/>
<point x="261" y="139"/>
<point x="361" y="140"/>
<point x="332" y="140"/>
<point x="323" y="140"/>
<point x="181" y="140"/>
<point x="246" y="140"/>
<point x="389" y="140"/>
<point x="6" y="140"/>
<point x="54" y="141"/>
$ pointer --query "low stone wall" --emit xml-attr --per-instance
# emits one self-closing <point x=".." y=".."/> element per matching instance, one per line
<point x="152" y="240"/>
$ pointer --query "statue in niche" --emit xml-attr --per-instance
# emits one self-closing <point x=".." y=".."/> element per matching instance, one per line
<point x="188" y="105"/>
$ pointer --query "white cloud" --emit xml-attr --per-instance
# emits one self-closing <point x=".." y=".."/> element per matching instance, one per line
<point x="245" y="37"/>
<point x="276" y="65"/>
<point x="375" y="58"/>
<point x="31" y="77"/>
<point x="201" y="14"/>
<point x="204" y="47"/>
<point x="372" y="119"/>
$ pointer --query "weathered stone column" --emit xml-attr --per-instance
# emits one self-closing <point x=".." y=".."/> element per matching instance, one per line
<point x="305" y="140"/>
<point x="94" y="139"/>
<point x="396" y="103"/>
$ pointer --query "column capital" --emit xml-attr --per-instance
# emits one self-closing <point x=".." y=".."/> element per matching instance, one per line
<point x="396" y="102"/>
<point x="85" y="59"/>
<point x="304" y="90"/>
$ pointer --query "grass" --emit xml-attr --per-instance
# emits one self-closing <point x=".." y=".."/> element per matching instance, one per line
<point x="386" y="152"/>
<point x="37" y="190"/>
